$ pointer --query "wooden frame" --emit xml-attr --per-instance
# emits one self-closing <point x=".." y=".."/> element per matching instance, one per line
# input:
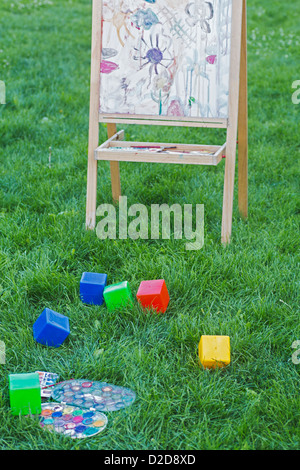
<point x="236" y="125"/>
<point x="186" y="154"/>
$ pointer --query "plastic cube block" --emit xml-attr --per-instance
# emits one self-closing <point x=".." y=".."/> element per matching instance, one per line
<point x="91" y="288"/>
<point x="117" y="295"/>
<point x="214" y="351"/>
<point x="153" y="294"/>
<point x="51" y="328"/>
<point x="25" y="393"/>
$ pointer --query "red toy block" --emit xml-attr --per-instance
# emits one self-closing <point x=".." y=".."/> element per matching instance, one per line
<point x="153" y="294"/>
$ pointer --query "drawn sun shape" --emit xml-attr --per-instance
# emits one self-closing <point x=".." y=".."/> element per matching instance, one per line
<point x="155" y="55"/>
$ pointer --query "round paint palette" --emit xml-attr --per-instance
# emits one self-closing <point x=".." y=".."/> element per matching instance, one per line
<point x="86" y="394"/>
<point x="72" y="421"/>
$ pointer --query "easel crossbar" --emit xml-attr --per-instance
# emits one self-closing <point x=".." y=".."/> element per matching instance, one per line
<point x="221" y="123"/>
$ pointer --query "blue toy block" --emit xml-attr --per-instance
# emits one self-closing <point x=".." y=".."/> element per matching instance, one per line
<point x="51" y="328"/>
<point x="91" y="288"/>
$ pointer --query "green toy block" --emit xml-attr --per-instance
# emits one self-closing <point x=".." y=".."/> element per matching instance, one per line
<point x="25" y="393"/>
<point x="117" y="295"/>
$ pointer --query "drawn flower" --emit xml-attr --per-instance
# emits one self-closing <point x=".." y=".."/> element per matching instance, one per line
<point x="161" y="89"/>
<point x="200" y="12"/>
<point x="162" y="82"/>
<point x="154" y="52"/>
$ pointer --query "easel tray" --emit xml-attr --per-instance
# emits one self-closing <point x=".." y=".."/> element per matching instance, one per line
<point x="188" y="154"/>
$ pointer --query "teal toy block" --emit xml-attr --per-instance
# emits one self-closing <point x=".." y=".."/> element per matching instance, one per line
<point x="25" y="393"/>
<point x="117" y="295"/>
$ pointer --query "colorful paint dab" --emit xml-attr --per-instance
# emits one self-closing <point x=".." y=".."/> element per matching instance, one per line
<point x="211" y="59"/>
<point x="100" y="396"/>
<point x="107" y="66"/>
<point x="70" y="421"/>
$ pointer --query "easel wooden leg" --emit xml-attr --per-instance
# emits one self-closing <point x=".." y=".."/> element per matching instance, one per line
<point x="243" y="124"/>
<point x="228" y="191"/>
<point x="91" y="198"/>
<point x="114" y="168"/>
<point x="230" y="161"/>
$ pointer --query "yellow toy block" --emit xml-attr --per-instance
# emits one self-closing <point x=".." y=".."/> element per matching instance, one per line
<point x="214" y="351"/>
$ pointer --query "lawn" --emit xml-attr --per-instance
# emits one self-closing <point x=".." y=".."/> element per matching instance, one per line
<point x="247" y="290"/>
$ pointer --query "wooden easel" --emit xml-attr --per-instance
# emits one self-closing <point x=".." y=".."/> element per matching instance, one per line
<point x="236" y="125"/>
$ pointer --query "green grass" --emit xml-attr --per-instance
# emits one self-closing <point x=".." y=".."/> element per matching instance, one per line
<point x="248" y="290"/>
